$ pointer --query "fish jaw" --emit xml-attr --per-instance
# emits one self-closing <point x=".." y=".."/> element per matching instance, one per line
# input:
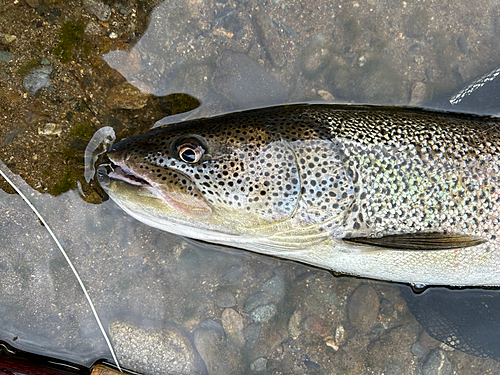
<point x="190" y="205"/>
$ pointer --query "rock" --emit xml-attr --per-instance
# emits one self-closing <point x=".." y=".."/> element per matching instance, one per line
<point x="340" y="335"/>
<point x="224" y="299"/>
<point x="98" y="8"/>
<point x="37" y="79"/>
<point x="232" y="322"/>
<point x="126" y="96"/>
<point x="6" y="56"/>
<point x="50" y="128"/>
<point x="418" y="93"/>
<point x="172" y="354"/>
<point x="8" y="38"/>
<point x="251" y="333"/>
<point x="264" y="313"/>
<point x="259" y="365"/>
<point x="294" y="324"/>
<point x="271" y="291"/>
<point x="219" y="356"/>
<point x="418" y="350"/>
<point x="268" y="35"/>
<point x="245" y="83"/>
<point x="315" y="57"/>
<point x="317" y="325"/>
<point x="273" y="288"/>
<point x="363" y="308"/>
<point x="437" y="364"/>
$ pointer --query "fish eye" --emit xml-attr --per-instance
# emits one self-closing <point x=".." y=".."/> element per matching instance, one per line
<point x="190" y="153"/>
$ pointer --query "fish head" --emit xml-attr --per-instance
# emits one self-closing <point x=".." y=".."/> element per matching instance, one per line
<point x="212" y="175"/>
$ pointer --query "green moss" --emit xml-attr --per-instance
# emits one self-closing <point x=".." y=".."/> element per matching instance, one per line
<point x="71" y="35"/>
<point x="83" y="130"/>
<point x="27" y="67"/>
<point x="67" y="182"/>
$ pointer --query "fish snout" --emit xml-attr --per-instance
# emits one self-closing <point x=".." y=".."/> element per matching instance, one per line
<point x="116" y="153"/>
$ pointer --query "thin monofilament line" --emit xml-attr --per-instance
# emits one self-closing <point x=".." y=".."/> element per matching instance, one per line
<point x="89" y="300"/>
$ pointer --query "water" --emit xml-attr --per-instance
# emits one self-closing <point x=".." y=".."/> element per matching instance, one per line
<point x="206" y="308"/>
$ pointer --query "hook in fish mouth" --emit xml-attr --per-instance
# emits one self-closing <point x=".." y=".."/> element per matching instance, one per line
<point x="121" y="172"/>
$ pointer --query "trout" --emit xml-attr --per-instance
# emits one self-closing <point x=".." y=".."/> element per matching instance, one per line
<point x="396" y="194"/>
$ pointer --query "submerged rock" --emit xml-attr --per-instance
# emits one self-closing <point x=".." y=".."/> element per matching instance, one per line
<point x="165" y="351"/>
<point x="37" y="79"/>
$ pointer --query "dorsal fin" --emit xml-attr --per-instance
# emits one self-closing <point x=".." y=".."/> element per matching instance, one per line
<point x="423" y="241"/>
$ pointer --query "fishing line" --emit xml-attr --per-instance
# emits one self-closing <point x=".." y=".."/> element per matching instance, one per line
<point x="87" y="296"/>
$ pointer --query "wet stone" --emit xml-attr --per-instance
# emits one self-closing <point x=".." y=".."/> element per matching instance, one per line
<point x="232" y="322"/>
<point x="418" y="93"/>
<point x="126" y="96"/>
<point x="269" y="37"/>
<point x="437" y="364"/>
<point x="264" y="313"/>
<point x="317" y="325"/>
<point x="251" y="333"/>
<point x="225" y="299"/>
<point x="271" y="291"/>
<point x="219" y="356"/>
<point x="363" y="308"/>
<point x="6" y="56"/>
<point x="418" y="350"/>
<point x="98" y="8"/>
<point x="172" y="354"/>
<point x="259" y="365"/>
<point x="294" y="324"/>
<point x="37" y="79"/>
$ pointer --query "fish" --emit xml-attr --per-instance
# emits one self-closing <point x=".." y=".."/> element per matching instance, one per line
<point x="390" y="193"/>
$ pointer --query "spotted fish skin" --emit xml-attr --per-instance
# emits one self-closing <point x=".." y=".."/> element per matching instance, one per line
<point x="295" y="181"/>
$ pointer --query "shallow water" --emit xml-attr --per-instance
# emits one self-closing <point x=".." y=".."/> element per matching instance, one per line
<point x="205" y="308"/>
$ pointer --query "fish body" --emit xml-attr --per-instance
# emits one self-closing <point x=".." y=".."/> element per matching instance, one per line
<point x="387" y="193"/>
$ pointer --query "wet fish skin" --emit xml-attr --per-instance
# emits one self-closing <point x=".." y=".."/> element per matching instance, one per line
<point x="298" y="181"/>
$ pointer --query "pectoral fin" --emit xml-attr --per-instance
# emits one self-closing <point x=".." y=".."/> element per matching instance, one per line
<point x="424" y="241"/>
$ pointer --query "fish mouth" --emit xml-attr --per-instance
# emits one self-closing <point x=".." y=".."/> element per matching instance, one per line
<point x="194" y="206"/>
<point x="119" y="171"/>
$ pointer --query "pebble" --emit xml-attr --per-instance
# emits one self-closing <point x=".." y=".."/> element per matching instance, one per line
<point x="317" y="325"/>
<point x="264" y="313"/>
<point x="50" y="128"/>
<point x="251" y="333"/>
<point x="259" y="365"/>
<point x="8" y="38"/>
<point x="294" y="324"/>
<point x="363" y="308"/>
<point x="340" y="335"/>
<point x="219" y="356"/>
<point x="418" y="350"/>
<point x="268" y="35"/>
<point x="6" y="56"/>
<point x="37" y="79"/>
<point x="126" y="96"/>
<point x="271" y="291"/>
<point x="418" y="93"/>
<point x="232" y="322"/>
<point x="437" y="364"/>
<point x="98" y="8"/>
<point x="224" y="299"/>
<point x="172" y="354"/>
